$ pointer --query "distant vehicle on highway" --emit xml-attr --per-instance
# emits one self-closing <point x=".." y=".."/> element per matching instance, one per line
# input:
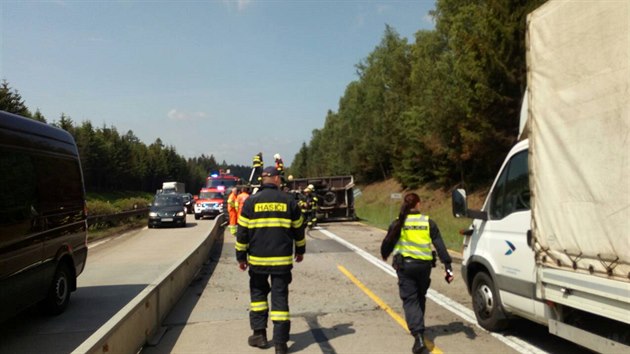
<point x="43" y="228"/>
<point x="173" y="187"/>
<point x="167" y="209"/>
<point x="189" y="203"/>
<point x="209" y="203"/>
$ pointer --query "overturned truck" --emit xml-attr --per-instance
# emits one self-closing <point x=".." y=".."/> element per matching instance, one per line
<point x="335" y="196"/>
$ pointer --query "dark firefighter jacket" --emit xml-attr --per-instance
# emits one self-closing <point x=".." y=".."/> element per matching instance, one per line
<point x="269" y="225"/>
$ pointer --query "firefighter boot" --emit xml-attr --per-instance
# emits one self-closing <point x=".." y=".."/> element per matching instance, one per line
<point x="418" y="345"/>
<point x="281" y="348"/>
<point x="258" y="339"/>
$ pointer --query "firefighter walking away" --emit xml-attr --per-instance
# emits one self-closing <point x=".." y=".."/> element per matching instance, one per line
<point x="270" y="227"/>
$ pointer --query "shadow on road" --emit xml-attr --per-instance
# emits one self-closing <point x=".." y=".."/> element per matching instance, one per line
<point x="319" y="335"/>
<point x="433" y="332"/>
<point x="89" y="308"/>
<point x="187" y="303"/>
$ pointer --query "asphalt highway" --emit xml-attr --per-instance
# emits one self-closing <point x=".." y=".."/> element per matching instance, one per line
<point x="342" y="300"/>
<point x="117" y="270"/>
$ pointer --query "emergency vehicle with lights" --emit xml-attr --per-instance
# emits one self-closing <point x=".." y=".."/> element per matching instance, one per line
<point x="222" y="181"/>
<point x="209" y="202"/>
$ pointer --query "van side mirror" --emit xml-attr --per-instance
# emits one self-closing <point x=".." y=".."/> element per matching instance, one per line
<point x="460" y="205"/>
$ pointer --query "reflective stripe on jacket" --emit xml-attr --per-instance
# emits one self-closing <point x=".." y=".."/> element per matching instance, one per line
<point x="257" y="161"/>
<point x="415" y="238"/>
<point x="270" y="228"/>
<point x="231" y="202"/>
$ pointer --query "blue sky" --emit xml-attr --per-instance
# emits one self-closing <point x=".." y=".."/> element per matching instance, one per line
<point x="227" y="78"/>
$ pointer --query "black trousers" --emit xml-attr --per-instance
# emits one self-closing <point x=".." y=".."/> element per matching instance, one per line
<point x="259" y="289"/>
<point x="310" y="217"/>
<point x="413" y="282"/>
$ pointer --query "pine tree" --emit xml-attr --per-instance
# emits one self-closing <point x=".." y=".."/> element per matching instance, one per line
<point x="11" y="101"/>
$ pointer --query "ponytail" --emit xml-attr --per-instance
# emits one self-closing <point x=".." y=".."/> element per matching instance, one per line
<point x="410" y="201"/>
<point x="393" y="234"/>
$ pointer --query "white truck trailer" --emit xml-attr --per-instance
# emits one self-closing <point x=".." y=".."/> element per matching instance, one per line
<point x="173" y="187"/>
<point x="552" y="241"/>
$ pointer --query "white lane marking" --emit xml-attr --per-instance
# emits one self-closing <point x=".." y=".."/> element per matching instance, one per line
<point x="98" y="243"/>
<point x="442" y="300"/>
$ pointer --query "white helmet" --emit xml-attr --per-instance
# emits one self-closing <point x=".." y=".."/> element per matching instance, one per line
<point x="290" y="178"/>
<point x="277" y="157"/>
<point x="311" y="187"/>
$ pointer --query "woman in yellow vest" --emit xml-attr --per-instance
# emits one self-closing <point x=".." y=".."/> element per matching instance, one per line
<point x="410" y="237"/>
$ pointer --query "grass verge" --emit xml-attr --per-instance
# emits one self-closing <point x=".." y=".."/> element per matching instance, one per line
<point x="111" y="231"/>
<point x="116" y="202"/>
<point x="376" y="207"/>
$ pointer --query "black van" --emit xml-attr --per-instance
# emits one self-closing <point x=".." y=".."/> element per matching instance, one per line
<point x="43" y="224"/>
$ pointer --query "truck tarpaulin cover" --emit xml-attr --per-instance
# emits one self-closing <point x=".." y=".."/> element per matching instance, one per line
<point x="579" y="134"/>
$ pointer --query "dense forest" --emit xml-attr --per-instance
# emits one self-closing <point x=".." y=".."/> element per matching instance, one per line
<point x="121" y="162"/>
<point x="443" y="109"/>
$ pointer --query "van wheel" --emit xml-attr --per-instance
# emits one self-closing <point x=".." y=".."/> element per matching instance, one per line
<point x="59" y="293"/>
<point x="486" y="303"/>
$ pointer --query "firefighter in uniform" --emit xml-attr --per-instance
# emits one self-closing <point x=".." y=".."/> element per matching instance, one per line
<point x="232" y="207"/>
<point x="240" y="200"/>
<point x="280" y="168"/>
<point x="279" y="164"/>
<point x="410" y="238"/>
<point x="257" y="164"/>
<point x="308" y="205"/>
<point x="269" y="229"/>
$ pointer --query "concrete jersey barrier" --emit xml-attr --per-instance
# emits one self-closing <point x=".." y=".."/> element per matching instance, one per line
<point x="129" y="329"/>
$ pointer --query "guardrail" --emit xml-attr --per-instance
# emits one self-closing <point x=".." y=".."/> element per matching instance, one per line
<point x="96" y="219"/>
<point x="129" y="329"/>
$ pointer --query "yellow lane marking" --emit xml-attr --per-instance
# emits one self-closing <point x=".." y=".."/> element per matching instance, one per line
<point x="375" y="298"/>
<point x="430" y="345"/>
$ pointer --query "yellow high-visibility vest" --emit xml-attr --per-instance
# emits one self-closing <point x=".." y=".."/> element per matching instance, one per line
<point x="415" y="238"/>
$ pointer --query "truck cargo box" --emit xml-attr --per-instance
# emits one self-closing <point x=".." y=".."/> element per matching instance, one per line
<point x="579" y="97"/>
